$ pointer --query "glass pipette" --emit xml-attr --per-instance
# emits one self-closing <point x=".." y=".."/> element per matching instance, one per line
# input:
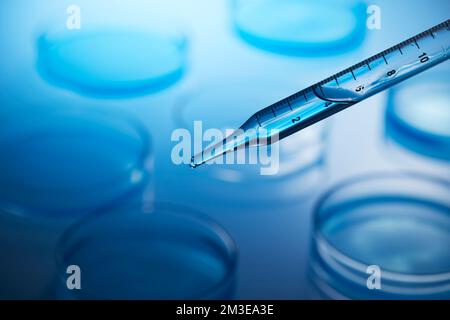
<point x="337" y="92"/>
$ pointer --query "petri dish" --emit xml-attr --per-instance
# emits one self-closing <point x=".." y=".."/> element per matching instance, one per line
<point x="70" y="162"/>
<point x="298" y="168"/>
<point x="417" y="116"/>
<point x="26" y="242"/>
<point x="399" y="222"/>
<point x="104" y="60"/>
<point x="300" y="27"/>
<point x="148" y="251"/>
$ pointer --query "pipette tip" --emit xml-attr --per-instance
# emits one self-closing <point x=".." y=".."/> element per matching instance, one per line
<point x="194" y="164"/>
<point x="217" y="150"/>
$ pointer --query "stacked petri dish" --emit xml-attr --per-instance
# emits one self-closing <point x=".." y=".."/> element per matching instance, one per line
<point x="300" y="27"/>
<point x="395" y="223"/>
<point x="108" y="56"/>
<point x="417" y="117"/>
<point x="297" y="162"/>
<point x="56" y="166"/>
<point x="63" y="162"/>
<point x="148" y="251"/>
<point x="67" y="162"/>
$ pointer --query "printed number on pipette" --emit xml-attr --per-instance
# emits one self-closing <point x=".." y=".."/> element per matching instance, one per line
<point x="339" y="91"/>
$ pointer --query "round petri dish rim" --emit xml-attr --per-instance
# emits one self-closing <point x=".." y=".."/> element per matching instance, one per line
<point x="228" y="245"/>
<point x="176" y="33"/>
<point x="179" y="119"/>
<point x="397" y="128"/>
<point x="354" y="264"/>
<point x="95" y="115"/>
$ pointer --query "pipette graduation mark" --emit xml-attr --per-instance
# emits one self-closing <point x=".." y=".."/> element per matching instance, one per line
<point x="337" y="92"/>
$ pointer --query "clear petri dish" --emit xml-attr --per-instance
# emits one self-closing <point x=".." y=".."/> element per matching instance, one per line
<point x="298" y="168"/>
<point x="156" y="251"/>
<point x="70" y="162"/>
<point x="417" y="117"/>
<point x="399" y="222"/>
<point x="112" y="59"/>
<point x="301" y="27"/>
<point x="26" y="242"/>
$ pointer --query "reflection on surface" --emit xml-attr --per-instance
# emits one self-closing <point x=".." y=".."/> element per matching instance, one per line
<point x="403" y="227"/>
<point x="300" y="27"/>
<point x="109" y="62"/>
<point x="301" y="156"/>
<point x="149" y="252"/>
<point x="57" y="163"/>
<point x="417" y="115"/>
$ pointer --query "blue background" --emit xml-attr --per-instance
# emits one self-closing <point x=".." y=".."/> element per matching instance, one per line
<point x="273" y="241"/>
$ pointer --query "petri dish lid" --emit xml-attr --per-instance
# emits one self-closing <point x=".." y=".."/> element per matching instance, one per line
<point x="417" y="116"/>
<point x="397" y="221"/>
<point x="301" y="27"/>
<point x="56" y="163"/>
<point x="149" y="251"/>
<point x="108" y="58"/>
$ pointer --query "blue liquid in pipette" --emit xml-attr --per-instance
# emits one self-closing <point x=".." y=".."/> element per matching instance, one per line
<point x="149" y="252"/>
<point x="339" y="91"/>
<point x="146" y="270"/>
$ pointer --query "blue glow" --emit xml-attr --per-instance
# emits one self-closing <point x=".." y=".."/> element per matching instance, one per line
<point x="273" y="235"/>
<point x="402" y="227"/>
<point x="301" y="27"/>
<point x="162" y="252"/>
<point x="301" y="159"/>
<point x="111" y="63"/>
<point x="401" y="235"/>
<point x="418" y="117"/>
<point x="70" y="162"/>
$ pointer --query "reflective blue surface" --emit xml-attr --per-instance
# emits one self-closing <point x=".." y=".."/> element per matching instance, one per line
<point x="111" y="62"/>
<point x="66" y="162"/>
<point x="156" y="252"/>
<point x="300" y="165"/>
<point x="418" y="117"/>
<point x="273" y="239"/>
<point x="398" y="222"/>
<point x="301" y="27"/>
